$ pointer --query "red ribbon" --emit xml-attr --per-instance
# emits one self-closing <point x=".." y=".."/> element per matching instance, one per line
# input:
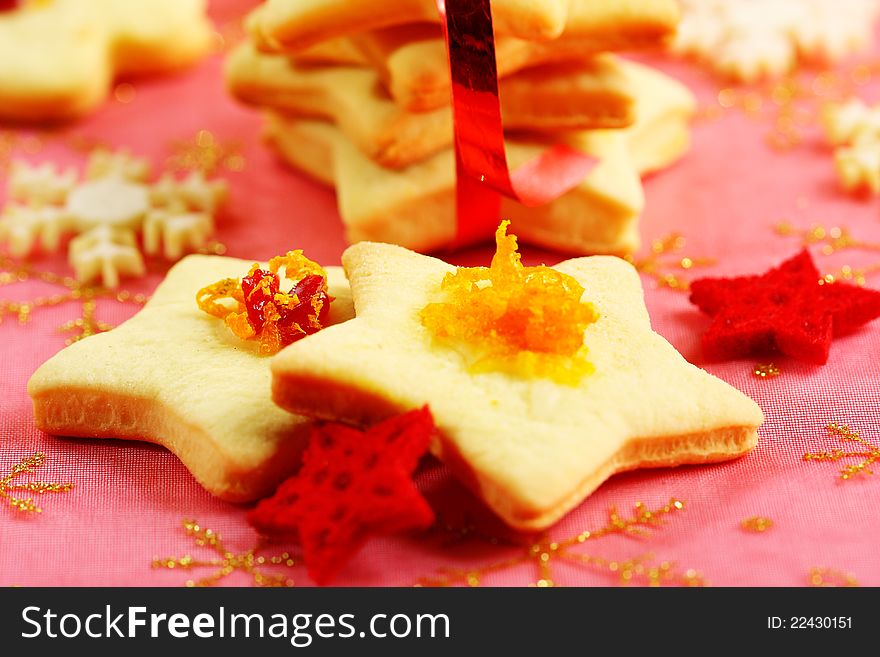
<point x="480" y="160"/>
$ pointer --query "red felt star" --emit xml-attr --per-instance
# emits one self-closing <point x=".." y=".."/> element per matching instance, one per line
<point x="352" y="484"/>
<point x="790" y="309"/>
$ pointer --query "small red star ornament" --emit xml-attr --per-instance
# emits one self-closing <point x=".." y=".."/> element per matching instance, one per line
<point x="352" y="484"/>
<point x="791" y="309"/>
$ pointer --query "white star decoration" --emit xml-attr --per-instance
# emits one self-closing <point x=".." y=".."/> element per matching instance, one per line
<point x="747" y="39"/>
<point x="107" y="208"/>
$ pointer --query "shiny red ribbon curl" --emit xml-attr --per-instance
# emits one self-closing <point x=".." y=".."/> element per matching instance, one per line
<point x="482" y="172"/>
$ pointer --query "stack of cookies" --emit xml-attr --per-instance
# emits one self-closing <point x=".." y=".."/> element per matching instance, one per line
<point x="357" y="95"/>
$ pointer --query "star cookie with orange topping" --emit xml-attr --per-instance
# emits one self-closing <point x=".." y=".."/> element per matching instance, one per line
<point x="543" y="382"/>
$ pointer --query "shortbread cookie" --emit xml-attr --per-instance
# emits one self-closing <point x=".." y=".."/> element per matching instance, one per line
<point x="297" y="24"/>
<point x="414" y="66"/>
<point x="339" y="51"/>
<point x="664" y="107"/>
<point x="577" y="96"/>
<point x="288" y="25"/>
<point x="175" y="376"/>
<point x="415" y="206"/>
<point x="530" y="446"/>
<point x="59" y="57"/>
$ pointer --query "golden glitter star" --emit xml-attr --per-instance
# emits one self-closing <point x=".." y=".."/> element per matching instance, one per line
<point x="83" y="326"/>
<point x="666" y="261"/>
<point x="545" y="551"/>
<point x="829" y="577"/>
<point x="205" y="153"/>
<point x="766" y="371"/>
<point x="25" y="466"/>
<point x="756" y="524"/>
<point x="227" y="562"/>
<point x="869" y="453"/>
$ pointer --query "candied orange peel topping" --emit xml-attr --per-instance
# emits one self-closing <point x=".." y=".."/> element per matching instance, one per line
<point x="254" y="307"/>
<point x="528" y="321"/>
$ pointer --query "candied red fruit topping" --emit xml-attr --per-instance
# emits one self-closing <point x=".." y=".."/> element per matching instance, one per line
<point x="259" y="288"/>
<point x="310" y="314"/>
<point x="261" y="311"/>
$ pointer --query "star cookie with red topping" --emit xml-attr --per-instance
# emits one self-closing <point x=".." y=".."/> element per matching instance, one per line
<point x="179" y="377"/>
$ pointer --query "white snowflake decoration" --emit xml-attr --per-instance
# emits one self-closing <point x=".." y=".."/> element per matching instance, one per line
<point x="174" y="233"/>
<point x="105" y="253"/>
<point x="107" y="208"/>
<point x="854" y="129"/>
<point x="40" y="185"/>
<point x="749" y="39"/>
<point x="23" y="226"/>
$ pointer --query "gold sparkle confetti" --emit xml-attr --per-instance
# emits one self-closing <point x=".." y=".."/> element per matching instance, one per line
<point x="766" y="371"/>
<point x="227" y="562"/>
<point x="213" y="248"/>
<point x="229" y="35"/>
<point x="124" y="93"/>
<point x="543" y="553"/>
<point x="86" y="324"/>
<point x="791" y="107"/>
<point x="829" y="577"/>
<point x="205" y="153"/>
<point x="867" y="452"/>
<point x="832" y="240"/>
<point x="8" y="141"/>
<point x="11" y="142"/>
<point x="756" y="524"/>
<point x="666" y="263"/>
<point x="26" y="466"/>
<point x="31" y="144"/>
<point x="80" y="143"/>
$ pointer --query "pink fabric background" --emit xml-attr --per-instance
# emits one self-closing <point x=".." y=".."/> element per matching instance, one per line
<point x="725" y="197"/>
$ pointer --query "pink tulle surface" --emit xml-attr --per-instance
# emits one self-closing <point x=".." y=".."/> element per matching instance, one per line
<point x="725" y="197"/>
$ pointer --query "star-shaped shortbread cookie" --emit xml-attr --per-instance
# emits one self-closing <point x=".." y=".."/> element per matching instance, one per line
<point x="176" y="376"/>
<point x="530" y="447"/>
<point x="59" y="57"/>
<point x="284" y="24"/>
